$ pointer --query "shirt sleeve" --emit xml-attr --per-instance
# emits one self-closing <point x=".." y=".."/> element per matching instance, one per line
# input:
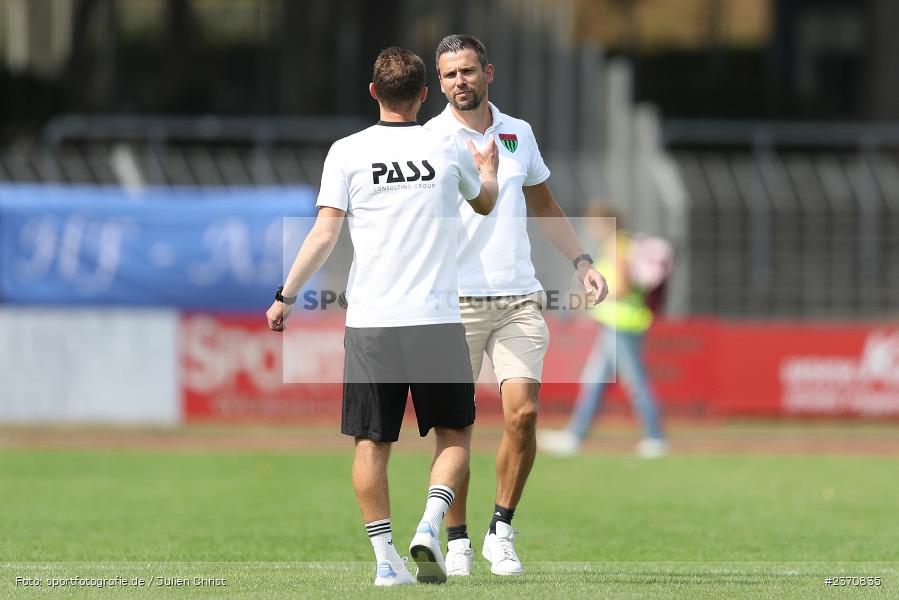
<point x="469" y="178"/>
<point x="333" y="191"/>
<point x="538" y="172"/>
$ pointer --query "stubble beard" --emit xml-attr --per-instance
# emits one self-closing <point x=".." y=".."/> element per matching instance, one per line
<point x="472" y="104"/>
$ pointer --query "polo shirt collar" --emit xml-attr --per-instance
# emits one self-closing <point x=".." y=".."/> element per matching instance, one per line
<point x="497" y="117"/>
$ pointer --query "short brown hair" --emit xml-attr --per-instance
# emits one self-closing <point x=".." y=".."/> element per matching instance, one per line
<point x="399" y="76"/>
<point x="457" y="43"/>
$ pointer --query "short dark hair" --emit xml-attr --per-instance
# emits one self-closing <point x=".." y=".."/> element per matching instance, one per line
<point x="399" y="76"/>
<point x="458" y="43"/>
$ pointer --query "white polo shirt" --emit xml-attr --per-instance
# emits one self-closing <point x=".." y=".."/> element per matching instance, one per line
<point x="399" y="185"/>
<point x="494" y="250"/>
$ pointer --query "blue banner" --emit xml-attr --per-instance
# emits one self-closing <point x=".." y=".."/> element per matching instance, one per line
<point x="191" y="248"/>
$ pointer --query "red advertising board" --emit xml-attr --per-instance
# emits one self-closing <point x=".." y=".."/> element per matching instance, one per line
<point x="233" y="368"/>
<point x="810" y="369"/>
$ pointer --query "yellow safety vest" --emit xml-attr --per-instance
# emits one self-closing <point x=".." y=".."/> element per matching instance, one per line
<point x="630" y="313"/>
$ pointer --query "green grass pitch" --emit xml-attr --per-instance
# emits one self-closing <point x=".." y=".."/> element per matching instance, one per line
<point x="285" y="525"/>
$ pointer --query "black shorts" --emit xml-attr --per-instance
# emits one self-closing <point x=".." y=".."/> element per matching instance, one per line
<point x="384" y="363"/>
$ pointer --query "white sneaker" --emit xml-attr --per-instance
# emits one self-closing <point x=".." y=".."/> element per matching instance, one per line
<point x="652" y="448"/>
<point x="558" y="443"/>
<point x="458" y="557"/>
<point x="499" y="549"/>
<point x="392" y="573"/>
<point x="425" y="550"/>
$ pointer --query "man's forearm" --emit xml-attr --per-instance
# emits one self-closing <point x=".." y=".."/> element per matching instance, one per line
<point x="557" y="229"/>
<point x="312" y="255"/>
<point x="486" y="200"/>
<point x="551" y="219"/>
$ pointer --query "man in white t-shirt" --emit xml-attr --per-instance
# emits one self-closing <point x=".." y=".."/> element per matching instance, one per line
<point x="501" y="299"/>
<point x="397" y="184"/>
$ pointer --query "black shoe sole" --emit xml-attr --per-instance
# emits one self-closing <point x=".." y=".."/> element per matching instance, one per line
<point x="428" y="569"/>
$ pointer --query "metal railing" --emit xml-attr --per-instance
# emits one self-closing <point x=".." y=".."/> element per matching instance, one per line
<point x="793" y="234"/>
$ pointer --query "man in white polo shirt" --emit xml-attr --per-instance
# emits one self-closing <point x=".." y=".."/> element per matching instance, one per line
<point x="397" y="184"/>
<point x="501" y="299"/>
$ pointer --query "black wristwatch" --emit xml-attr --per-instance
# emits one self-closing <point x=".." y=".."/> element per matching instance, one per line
<point x="285" y="300"/>
<point x="586" y="257"/>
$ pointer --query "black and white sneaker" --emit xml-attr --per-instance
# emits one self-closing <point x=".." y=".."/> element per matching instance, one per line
<point x="425" y="551"/>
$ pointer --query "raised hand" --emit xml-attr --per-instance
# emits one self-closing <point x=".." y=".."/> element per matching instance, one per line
<point x="487" y="160"/>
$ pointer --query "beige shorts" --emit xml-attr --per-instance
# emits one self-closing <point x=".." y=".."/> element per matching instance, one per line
<point x="510" y="330"/>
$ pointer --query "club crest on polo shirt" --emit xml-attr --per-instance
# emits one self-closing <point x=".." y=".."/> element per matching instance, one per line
<point x="510" y="141"/>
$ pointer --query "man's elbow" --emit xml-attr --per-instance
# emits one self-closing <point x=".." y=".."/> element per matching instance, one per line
<point x="486" y="200"/>
<point x="483" y="205"/>
<point x="323" y="238"/>
<point x="483" y="208"/>
<point x="544" y="207"/>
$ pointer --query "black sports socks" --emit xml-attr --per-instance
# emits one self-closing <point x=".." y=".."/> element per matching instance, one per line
<point x="501" y="513"/>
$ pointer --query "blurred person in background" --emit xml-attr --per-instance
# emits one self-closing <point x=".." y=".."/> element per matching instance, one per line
<point x="501" y="299"/>
<point x="404" y="331"/>
<point x="638" y="268"/>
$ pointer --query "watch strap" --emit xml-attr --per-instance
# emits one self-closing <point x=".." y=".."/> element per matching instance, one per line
<point x="578" y="259"/>
<point x="285" y="299"/>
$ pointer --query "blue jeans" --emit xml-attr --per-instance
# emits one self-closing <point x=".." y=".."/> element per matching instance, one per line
<point x="598" y="370"/>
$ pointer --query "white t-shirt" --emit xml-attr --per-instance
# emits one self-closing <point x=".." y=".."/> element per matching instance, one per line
<point x="399" y="184"/>
<point x="494" y="250"/>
